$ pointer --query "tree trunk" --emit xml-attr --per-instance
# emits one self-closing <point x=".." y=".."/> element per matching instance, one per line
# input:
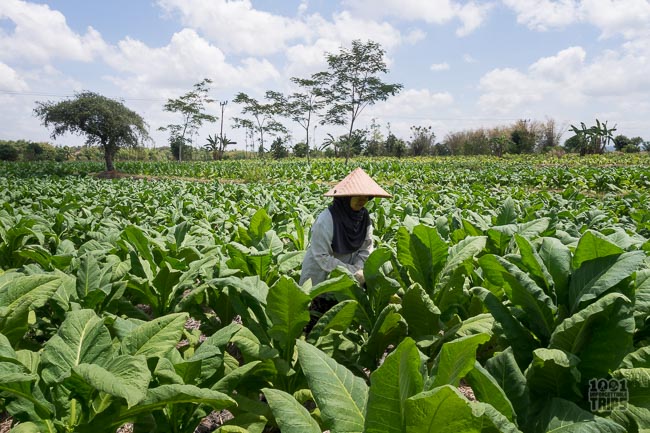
<point x="108" y="157"/>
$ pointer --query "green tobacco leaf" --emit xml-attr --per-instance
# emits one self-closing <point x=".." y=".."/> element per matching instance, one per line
<point x="456" y="359"/>
<point x="20" y="294"/>
<point x="341" y="396"/>
<point x="507" y="213"/>
<point x="534" y="264"/>
<point x="525" y="293"/>
<point x="397" y="379"/>
<point x="600" y="335"/>
<point x="123" y="376"/>
<point x="337" y="318"/>
<point x="464" y="250"/>
<point x="288" y="309"/>
<point x="445" y="410"/>
<point x="290" y="415"/>
<point x="81" y="339"/>
<point x="140" y="242"/>
<point x="260" y="223"/>
<point x="522" y="342"/>
<point x="593" y="245"/>
<point x="557" y="260"/>
<point x="595" y="277"/>
<point x="505" y="371"/>
<point x="642" y="296"/>
<point x="422" y="254"/>
<point x="155" y="338"/>
<point x="420" y="313"/>
<point x="487" y="390"/>
<point x="640" y="358"/>
<point x="563" y="416"/>
<point x="378" y="286"/>
<point x="636" y="382"/>
<point x="554" y="373"/>
<point x="388" y="329"/>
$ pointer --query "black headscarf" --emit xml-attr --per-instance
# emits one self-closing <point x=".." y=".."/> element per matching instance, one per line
<point x="350" y="227"/>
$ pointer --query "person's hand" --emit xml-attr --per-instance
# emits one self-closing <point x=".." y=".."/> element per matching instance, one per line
<point x="358" y="275"/>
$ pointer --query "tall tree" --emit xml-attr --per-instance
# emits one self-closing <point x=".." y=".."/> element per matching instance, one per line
<point x="263" y="116"/>
<point x="596" y="138"/>
<point x="352" y="83"/>
<point x="191" y="106"/>
<point x="105" y="122"/>
<point x="301" y="106"/>
<point x="422" y="140"/>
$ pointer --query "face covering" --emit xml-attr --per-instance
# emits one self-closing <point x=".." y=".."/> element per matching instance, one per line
<point x="350" y="227"/>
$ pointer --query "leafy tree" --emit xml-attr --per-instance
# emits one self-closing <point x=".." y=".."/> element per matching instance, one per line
<point x="500" y="143"/>
<point x="549" y="136"/>
<point x="422" y="140"/>
<point x="301" y="107"/>
<point x="621" y="141"/>
<point x="278" y="149"/>
<point x="263" y="116"/>
<point x="596" y="138"/>
<point x="191" y="107"/>
<point x="8" y="152"/>
<point x="522" y="138"/>
<point x="394" y="146"/>
<point x="352" y="83"/>
<point x="300" y="150"/>
<point x="104" y="122"/>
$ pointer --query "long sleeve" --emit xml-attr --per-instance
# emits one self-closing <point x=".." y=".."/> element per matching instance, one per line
<point x="365" y="250"/>
<point x="321" y="244"/>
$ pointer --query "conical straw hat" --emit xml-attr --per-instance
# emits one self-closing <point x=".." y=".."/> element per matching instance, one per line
<point x="357" y="183"/>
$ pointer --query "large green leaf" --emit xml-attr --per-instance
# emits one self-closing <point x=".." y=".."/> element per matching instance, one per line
<point x="420" y="313"/>
<point x="456" y="359"/>
<point x="600" y="335"/>
<point x="445" y="410"/>
<point x="290" y="415"/>
<point x="155" y="338"/>
<point x="557" y="260"/>
<point x="464" y="250"/>
<point x="20" y="294"/>
<point x="640" y="358"/>
<point x="520" y="339"/>
<point x="534" y="264"/>
<point x="593" y="245"/>
<point x="81" y="339"/>
<point x="487" y="390"/>
<point x="124" y="376"/>
<point x="422" y="254"/>
<point x="341" y="396"/>
<point x="636" y="404"/>
<point x="337" y="318"/>
<point x="562" y="416"/>
<point x="642" y="296"/>
<point x="389" y="328"/>
<point x="397" y="379"/>
<point x="553" y="373"/>
<point x="260" y="223"/>
<point x="505" y="371"/>
<point x="287" y="307"/>
<point x="595" y="277"/>
<point x="140" y="243"/>
<point x="525" y="293"/>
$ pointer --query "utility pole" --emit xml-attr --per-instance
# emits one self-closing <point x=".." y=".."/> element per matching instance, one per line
<point x="221" y="143"/>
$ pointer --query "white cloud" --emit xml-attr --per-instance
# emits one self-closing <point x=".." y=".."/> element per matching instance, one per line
<point x="412" y="103"/>
<point x="41" y="34"/>
<point x="469" y="59"/>
<point x="627" y="17"/>
<point x="187" y="59"/>
<point x="439" y="67"/>
<point x="10" y="81"/>
<point x="415" y="36"/>
<point x="471" y="14"/>
<point x="236" y="26"/>
<point x="544" y="14"/>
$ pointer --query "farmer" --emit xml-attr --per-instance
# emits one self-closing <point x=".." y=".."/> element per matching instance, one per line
<point x="342" y="233"/>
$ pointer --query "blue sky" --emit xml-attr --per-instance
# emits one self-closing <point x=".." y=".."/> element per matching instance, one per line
<point x="463" y="65"/>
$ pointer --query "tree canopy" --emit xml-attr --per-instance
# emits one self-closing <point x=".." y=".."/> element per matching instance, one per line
<point x="105" y="122"/>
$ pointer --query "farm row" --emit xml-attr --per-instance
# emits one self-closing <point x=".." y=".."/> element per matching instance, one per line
<point x="156" y="301"/>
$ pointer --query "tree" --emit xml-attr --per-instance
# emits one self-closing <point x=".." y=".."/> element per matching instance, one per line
<point x="621" y="141"/>
<point x="522" y="138"/>
<point x="191" y="106"/>
<point x="263" y="114"/>
<point x="278" y="149"/>
<point x="594" y="139"/>
<point x="352" y="83"/>
<point x="8" y="151"/>
<point x="300" y="150"/>
<point x="105" y="122"/>
<point x="217" y="145"/>
<point x="422" y="140"/>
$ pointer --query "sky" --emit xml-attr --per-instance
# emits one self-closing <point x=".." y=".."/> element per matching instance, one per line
<point x="463" y="64"/>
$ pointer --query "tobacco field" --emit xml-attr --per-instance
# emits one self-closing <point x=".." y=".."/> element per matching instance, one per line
<point x="501" y="295"/>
